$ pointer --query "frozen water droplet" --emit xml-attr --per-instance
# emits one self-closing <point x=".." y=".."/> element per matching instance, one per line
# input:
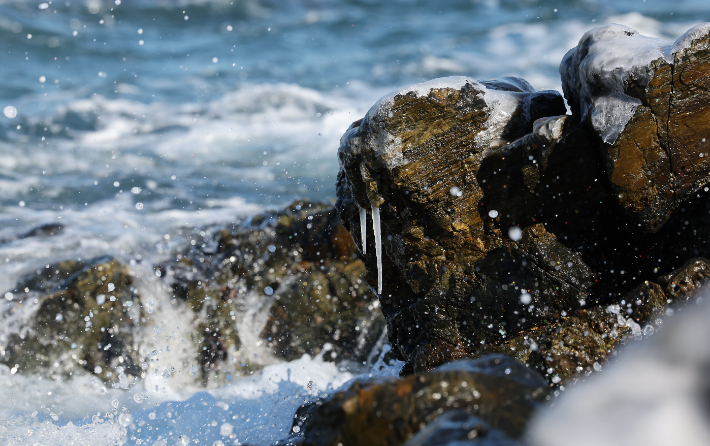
<point x="272" y="248"/>
<point x="215" y="60"/>
<point x="97" y="369"/>
<point x="100" y="299"/>
<point x="268" y="291"/>
<point x="8" y="295"/>
<point x="296" y="429"/>
<point x="136" y="190"/>
<point x="139" y="206"/>
<point x="115" y="404"/>
<point x="597" y="367"/>
<point x="156" y="330"/>
<point x="10" y="111"/>
<point x="225" y="429"/>
<point x="493" y="213"/>
<point x="152" y="415"/>
<point x="59" y="317"/>
<point x="138" y="398"/>
<point x="116" y="184"/>
<point x="515" y="233"/>
<point x="111" y="287"/>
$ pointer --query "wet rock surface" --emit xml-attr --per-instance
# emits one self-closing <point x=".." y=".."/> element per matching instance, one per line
<point x="503" y="227"/>
<point x="298" y="269"/>
<point x="647" y="101"/>
<point x="501" y="393"/>
<point x="74" y="315"/>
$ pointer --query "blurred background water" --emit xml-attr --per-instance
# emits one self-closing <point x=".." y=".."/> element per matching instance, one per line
<point x="127" y="120"/>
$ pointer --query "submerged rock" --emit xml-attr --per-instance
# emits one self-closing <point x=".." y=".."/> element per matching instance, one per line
<point x="648" y="102"/>
<point x="290" y="275"/>
<point x="387" y="411"/>
<point x="74" y="315"/>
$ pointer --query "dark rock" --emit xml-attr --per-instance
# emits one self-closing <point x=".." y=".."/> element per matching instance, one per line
<point x="298" y="266"/>
<point x="47" y="230"/>
<point x="451" y="170"/>
<point x="648" y="103"/>
<point x="458" y="428"/>
<point x="388" y="411"/>
<point x="683" y="283"/>
<point x="78" y="315"/>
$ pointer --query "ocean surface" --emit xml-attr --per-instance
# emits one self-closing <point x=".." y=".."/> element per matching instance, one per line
<point x="126" y="121"/>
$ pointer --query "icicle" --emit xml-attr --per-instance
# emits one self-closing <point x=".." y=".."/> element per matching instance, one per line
<point x="378" y="245"/>
<point x="363" y="229"/>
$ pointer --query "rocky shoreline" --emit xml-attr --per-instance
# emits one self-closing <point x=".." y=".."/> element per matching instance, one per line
<point x="503" y="248"/>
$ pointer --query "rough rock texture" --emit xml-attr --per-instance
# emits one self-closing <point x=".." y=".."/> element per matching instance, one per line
<point x="74" y="315"/>
<point x="298" y="267"/>
<point x="499" y="221"/>
<point x="648" y="101"/>
<point x="387" y="411"/>
<point x="458" y="428"/>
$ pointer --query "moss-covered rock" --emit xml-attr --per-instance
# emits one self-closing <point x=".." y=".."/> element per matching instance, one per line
<point x="75" y="314"/>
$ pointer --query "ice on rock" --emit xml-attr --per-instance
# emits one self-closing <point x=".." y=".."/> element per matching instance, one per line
<point x="363" y="229"/>
<point x="603" y="74"/>
<point x="378" y="245"/>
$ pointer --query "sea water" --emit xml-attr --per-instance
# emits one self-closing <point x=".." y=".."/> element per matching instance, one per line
<point x="126" y="122"/>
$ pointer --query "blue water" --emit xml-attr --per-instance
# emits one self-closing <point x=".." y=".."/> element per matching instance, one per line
<point x="136" y="119"/>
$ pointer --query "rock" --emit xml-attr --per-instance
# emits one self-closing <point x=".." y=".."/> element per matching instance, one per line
<point x="451" y="182"/>
<point x="647" y="102"/>
<point x="683" y="283"/>
<point x="298" y="268"/>
<point x="458" y="428"/>
<point x="388" y="411"/>
<point x="74" y="315"/>
<point x="661" y="378"/>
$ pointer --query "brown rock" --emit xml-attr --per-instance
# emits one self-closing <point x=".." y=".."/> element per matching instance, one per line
<point x="648" y="103"/>
<point x="387" y="411"/>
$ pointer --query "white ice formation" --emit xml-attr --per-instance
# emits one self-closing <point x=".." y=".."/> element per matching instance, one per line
<point x="378" y="245"/>
<point x="597" y="74"/>
<point x="363" y="229"/>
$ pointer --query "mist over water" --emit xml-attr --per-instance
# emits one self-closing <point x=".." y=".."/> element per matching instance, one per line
<point x="137" y="121"/>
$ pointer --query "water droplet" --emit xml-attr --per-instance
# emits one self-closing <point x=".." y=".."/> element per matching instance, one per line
<point x="97" y="369"/>
<point x="525" y="299"/>
<point x="138" y="398"/>
<point x="100" y="299"/>
<point x="8" y="295"/>
<point x="215" y="60"/>
<point x="59" y="317"/>
<point x="515" y="233"/>
<point x="493" y="213"/>
<point x="125" y="419"/>
<point x="268" y="291"/>
<point x="10" y="111"/>
<point x="139" y="206"/>
<point x="225" y="429"/>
